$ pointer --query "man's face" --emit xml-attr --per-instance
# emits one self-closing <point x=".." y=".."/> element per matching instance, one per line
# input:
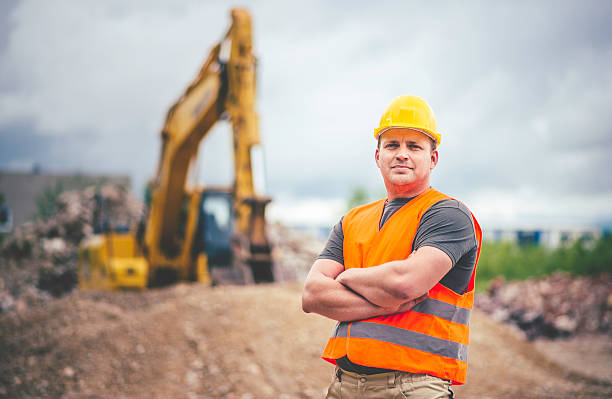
<point x="405" y="160"/>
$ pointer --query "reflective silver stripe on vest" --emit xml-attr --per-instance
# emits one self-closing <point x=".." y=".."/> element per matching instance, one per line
<point x="444" y="310"/>
<point x="341" y="330"/>
<point x="409" y="339"/>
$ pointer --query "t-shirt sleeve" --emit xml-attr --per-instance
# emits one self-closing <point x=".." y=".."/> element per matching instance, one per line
<point x="334" y="247"/>
<point x="447" y="226"/>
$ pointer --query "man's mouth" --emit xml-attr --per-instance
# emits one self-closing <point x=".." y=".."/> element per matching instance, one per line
<point x="400" y="167"/>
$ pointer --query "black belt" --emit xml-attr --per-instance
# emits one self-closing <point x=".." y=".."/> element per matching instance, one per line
<point x="345" y="364"/>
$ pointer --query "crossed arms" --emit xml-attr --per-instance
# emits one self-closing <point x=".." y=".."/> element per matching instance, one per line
<point x="361" y="293"/>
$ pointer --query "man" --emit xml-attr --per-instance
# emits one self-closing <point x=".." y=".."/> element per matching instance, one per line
<point x="398" y="274"/>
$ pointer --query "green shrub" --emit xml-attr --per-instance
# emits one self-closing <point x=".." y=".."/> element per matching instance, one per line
<point x="514" y="262"/>
<point x="47" y="201"/>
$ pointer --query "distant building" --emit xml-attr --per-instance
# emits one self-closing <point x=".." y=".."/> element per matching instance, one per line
<point x="21" y="190"/>
<point x="551" y="236"/>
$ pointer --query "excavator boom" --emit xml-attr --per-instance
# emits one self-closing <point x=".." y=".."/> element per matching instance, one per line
<point x="187" y="123"/>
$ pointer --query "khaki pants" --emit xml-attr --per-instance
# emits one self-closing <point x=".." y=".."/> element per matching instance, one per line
<point x="400" y="385"/>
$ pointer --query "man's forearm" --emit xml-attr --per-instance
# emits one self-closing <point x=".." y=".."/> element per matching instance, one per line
<point x="381" y="285"/>
<point x="395" y="282"/>
<point x="333" y="300"/>
<point x="325" y="295"/>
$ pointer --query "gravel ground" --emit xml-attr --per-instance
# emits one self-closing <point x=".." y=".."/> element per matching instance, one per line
<point x="192" y="341"/>
<point x="587" y="353"/>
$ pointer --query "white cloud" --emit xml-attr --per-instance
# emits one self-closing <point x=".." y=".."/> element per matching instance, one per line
<point x="528" y="207"/>
<point x="523" y="101"/>
<point x="314" y="212"/>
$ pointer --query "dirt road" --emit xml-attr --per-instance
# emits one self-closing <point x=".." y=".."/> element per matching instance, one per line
<point x="191" y="341"/>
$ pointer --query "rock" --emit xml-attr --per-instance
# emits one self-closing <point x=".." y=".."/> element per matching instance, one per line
<point x="565" y="323"/>
<point x="500" y="314"/>
<point x="68" y="372"/>
<point x="32" y="296"/>
<point x="253" y="369"/>
<point x="6" y="301"/>
<point x="53" y="246"/>
<point x="191" y="378"/>
<point x="197" y="364"/>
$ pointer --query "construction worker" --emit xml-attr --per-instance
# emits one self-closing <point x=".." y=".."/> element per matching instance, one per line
<point x="398" y="274"/>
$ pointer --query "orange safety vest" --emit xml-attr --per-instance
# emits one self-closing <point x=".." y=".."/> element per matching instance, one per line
<point x="433" y="336"/>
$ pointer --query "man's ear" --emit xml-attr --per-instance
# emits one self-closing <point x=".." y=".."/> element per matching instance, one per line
<point x="376" y="157"/>
<point x="434" y="159"/>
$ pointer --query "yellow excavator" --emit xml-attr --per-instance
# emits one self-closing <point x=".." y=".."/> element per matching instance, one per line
<point x="196" y="233"/>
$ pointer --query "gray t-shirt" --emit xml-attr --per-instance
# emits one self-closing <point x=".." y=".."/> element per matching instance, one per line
<point x="447" y="225"/>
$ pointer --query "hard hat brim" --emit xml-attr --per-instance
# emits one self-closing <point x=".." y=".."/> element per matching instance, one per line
<point x="429" y="134"/>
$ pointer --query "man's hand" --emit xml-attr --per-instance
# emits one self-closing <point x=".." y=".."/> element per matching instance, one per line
<point x="411" y="303"/>
<point x="406" y="306"/>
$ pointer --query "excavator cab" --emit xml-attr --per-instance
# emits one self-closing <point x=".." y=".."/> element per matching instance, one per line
<point x="223" y="256"/>
<point x="215" y="227"/>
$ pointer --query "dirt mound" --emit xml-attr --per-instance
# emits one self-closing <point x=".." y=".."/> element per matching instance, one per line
<point x="225" y="342"/>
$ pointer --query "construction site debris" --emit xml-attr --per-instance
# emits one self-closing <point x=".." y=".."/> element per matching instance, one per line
<point x="294" y="251"/>
<point x="560" y="305"/>
<point x="39" y="259"/>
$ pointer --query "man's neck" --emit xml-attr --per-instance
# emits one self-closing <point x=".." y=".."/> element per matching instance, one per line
<point x="395" y="194"/>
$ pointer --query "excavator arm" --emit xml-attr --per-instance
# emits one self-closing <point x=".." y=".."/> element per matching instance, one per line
<point x="187" y="123"/>
<point x="221" y="89"/>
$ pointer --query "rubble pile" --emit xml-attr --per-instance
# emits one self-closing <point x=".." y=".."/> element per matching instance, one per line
<point x="39" y="260"/>
<point x="294" y="252"/>
<point x="555" y="306"/>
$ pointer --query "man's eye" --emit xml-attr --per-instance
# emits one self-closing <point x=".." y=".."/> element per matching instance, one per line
<point x="415" y="147"/>
<point x="391" y="145"/>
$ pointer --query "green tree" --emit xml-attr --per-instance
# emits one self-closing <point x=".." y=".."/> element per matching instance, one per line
<point x="47" y="201"/>
<point x="359" y="196"/>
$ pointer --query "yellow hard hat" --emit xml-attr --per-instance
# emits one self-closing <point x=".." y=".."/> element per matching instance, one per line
<point x="412" y="112"/>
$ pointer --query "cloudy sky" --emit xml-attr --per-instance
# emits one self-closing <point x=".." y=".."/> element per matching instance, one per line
<point x="522" y="92"/>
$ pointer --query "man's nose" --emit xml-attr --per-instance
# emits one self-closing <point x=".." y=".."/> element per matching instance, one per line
<point x="402" y="154"/>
